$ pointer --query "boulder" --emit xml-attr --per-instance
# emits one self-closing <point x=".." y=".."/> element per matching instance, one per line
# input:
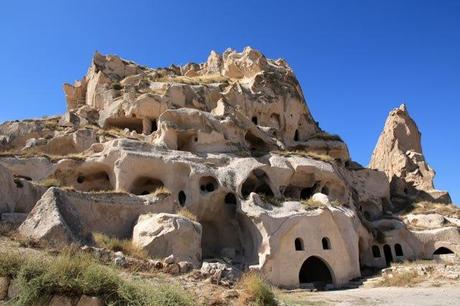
<point x="53" y="221"/>
<point x="8" y="191"/>
<point x="164" y="234"/>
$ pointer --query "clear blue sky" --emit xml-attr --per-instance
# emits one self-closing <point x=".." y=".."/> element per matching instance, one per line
<point x="355" y="60"/>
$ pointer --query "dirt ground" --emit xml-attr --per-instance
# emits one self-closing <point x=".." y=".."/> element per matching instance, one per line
<point x="375" y="296"/>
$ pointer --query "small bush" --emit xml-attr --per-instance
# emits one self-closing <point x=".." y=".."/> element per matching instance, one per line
<point x="256" y="291"/>
<point x="119" y="245"/>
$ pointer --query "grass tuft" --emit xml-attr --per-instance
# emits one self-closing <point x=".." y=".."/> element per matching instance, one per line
<point x="75" y="274"/>
<point x="256" y="291"/>
<point x="187" y="214"/>
<point x="401" y="279"/>
<point x="119" y="245"/>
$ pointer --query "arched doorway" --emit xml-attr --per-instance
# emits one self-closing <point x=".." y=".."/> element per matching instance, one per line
<point x="388" y="254"/>
<point x="443" y="251"/>
<point x="315" y="271"/>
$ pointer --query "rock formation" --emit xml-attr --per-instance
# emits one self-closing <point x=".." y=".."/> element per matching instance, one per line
<point x="216" y="161"/>
<point x="399" y="154"/>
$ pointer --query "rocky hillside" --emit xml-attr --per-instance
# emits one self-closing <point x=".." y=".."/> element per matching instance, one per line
<point x="214" y="170"/>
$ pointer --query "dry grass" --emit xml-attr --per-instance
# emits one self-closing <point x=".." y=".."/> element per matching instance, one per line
<point x="256" y="291"/>
<point x="162" y="192"/>
<point x="401" y="279"/>
<point x="426" y="207"/>
<point x="326" y="136"/>
<point x="50" y="182"/>
<point x="311" y="204"/>
<point x="313" y="155"/>
<point x="187" y="214"/>
<point x="197" y="80"/>
<point x="39" y="277"/>
<point x="119" y="245"/>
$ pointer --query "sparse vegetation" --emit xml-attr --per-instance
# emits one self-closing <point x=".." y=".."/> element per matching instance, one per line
<point x="187" y="214"/>
<point x="50" y="182"/>
<point x="326" y="136"/>
<point x="272" y="200"/>
<point x="302" y="153"/>
<point x="39" y="277"/>
<point x="162" y="191"/>
<point x="426" y="207"/>
<point x="123" y="245"/>
<point x="311" y="204"/>
<point x="256" y="291"/>
<point x="401" y="279"/>
<point x="197" y="80"/>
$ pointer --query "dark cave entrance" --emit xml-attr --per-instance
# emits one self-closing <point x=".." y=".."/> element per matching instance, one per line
<point x="315" y="271"/>
<point x="388" y="254"/>
<point x="442" y="251"/>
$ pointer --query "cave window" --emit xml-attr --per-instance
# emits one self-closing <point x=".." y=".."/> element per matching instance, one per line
<point x="298" y="244"/>
<point x="208" y="184"/>
<point x="325" y="190"/>
<point x="254" y="120"/>
<point x="182" y="198"/>
<point x="230" y="199"/>
<point x="326" y="243"/>
<point x="257" y="182"/>
<point x="367" y="215"/>
<point x="18" y="183"/>
<point x="307" y="192"/>
<point x="145" y="185"/>
<point x="376" y="251"/>
<point x="96" y="180"/>
<point x="398" y="250"/>
<point x="296" y="135"/>
<point x="132" y="124"/>
<point x="154" y="125"/>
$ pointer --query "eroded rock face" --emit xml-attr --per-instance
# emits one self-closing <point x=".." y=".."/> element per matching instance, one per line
<point x="162" y="235"/>
<point x="399" y="154"/>
<point x="231" y="144"/>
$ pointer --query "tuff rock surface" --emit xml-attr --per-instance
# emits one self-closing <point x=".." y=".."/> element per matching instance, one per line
<point x="141" y="153"/>
<point x="399" y="154"/>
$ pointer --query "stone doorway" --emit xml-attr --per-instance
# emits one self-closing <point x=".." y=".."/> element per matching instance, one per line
<point x="388" y="254"/>
<point x="316" y="272"/>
